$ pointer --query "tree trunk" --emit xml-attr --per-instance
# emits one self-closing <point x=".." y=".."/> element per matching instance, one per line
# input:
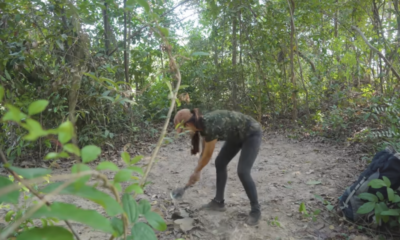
<point x="106" y="28"/>
<point x="77" y="57"/>
<point x="126" y="61"/>
<point x="396" y="8"/>
<point x="292" y="74"/>
<point x="336" y="21"/>
<point x="234" y="62"/>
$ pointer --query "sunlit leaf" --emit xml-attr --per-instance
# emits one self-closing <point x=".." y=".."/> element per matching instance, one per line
<point x="90" y="153"/>
<point x="136" y="159"/>
<point x="71" y="148"/>
<point x="107" y="166"/>
<point x="37" y="107"/>
<point x="35" y="130"/>
<point x="65" y="132"/>
<point x="125" y="156"/>
<point x="136" y="169"/>
<point x="123" y="175"/>
<point x="13" y="114"/>
<point x="134" y="187"/>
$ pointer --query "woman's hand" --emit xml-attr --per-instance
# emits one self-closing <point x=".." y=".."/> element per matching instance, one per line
<point x="193" y="179"/>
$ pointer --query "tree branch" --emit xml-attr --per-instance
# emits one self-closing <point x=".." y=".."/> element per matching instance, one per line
<point x="33" y="191"/>
<point x="177" y="75"/>
<point x="377" y="51"/>
<point x="146" y="25"/>
<point x="307" y="59"/>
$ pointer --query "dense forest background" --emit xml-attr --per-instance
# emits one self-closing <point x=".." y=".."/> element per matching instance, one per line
<point x="327" y="67"/>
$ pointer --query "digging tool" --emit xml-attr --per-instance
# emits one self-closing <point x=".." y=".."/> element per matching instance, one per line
<point x="178" y="193"/>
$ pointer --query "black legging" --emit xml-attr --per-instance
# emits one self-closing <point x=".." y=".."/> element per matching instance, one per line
<point x="250" y="147"/>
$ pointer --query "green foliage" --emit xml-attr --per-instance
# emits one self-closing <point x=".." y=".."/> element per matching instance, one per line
<point x="386" y="209"/>
<point x="306" y="214"/>
<point x="125" y="213"/>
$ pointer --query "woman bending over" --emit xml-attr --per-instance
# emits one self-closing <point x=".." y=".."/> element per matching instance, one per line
<point x="240" y="132"/>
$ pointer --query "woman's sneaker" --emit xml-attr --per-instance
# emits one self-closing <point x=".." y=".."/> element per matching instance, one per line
<point x="254" y="217"/>
<point x="214" y="205"/>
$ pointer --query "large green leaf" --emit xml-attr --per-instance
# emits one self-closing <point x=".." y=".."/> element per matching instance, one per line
<point x="366" y="208"/>
<point x="136" y="169"/>
<point x="46" y="233"/>
<point x="118" y="226"/>
<point x="37" y="107"/>
<point x="13" y="114"/>
<point x="111" y="206"/>
<point x="106" y="165"/>
<point x="66" y="211"/>
<point x="10" y="197"/>
<point x="377" y="183"/>
<point x="387" y="181"/>
<point x="90" y="153"/>
<point x="390" y="193"/>
<point x="156" y="221"/>
<point x="142" y="231"/>
<point x="29" y="173"/>
<point x="136" y="159"/>
<point x="72" y="148"/>
<point x="35" y="130"/>
<point x="130" y="207"/>
<point x="122" y="175"/>
<point x="368" y="196"/>
<point x="144" y="207"/>
<point x="134" y="187"/>
<point x="65" y="132"/>
<point x="125" y="156"/>
<point x="390" y="212"/>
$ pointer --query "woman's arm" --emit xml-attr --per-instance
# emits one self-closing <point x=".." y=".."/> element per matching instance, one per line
<point x="204" y="160"/>
<point x="203" y="143"/>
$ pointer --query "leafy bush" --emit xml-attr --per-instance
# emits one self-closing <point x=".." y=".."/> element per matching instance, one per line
<point x="122" y="213"/>
<point x="386" y="209"/>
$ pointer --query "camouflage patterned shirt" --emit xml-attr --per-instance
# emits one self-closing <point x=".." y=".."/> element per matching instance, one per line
<point x="228" y="125"/>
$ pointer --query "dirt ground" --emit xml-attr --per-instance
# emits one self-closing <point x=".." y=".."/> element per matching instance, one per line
<point x="287" y="172"/>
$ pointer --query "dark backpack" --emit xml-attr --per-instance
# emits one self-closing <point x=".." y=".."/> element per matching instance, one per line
<point x="384" y="163"/>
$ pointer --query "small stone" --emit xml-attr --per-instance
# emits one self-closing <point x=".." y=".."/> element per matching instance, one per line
<point x="184" y="224"/>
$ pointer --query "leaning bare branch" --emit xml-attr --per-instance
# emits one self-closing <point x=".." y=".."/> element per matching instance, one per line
<point x="377" y="51"/>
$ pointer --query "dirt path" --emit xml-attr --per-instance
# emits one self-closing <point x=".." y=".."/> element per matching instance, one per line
<point x="282" y="172"/>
